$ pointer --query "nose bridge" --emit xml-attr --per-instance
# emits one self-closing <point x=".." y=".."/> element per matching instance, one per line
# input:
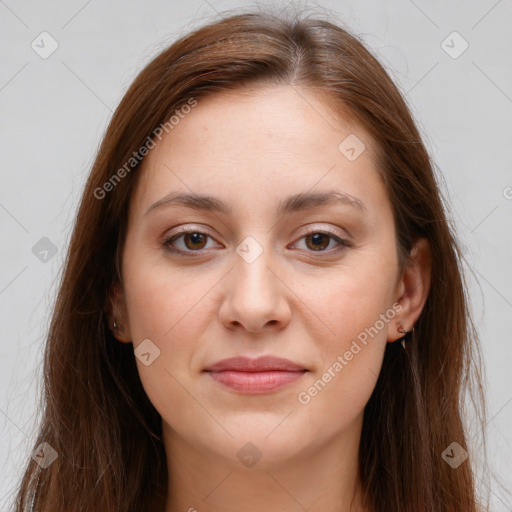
<point x="252" y="269"/>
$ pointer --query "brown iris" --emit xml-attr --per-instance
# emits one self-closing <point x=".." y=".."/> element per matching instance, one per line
<point x="317" y="239"/>
<point x="197" y="240"/>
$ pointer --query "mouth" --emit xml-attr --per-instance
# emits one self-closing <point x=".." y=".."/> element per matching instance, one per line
<point x="256" y="376"/>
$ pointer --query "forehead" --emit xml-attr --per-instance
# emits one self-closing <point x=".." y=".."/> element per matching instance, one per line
<point x="255" y="145"/>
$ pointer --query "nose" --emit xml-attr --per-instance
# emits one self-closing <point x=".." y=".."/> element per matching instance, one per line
<point x="255" y="296"/>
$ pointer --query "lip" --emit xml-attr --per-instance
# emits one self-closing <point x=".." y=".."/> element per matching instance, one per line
<point x="256" y="376"/>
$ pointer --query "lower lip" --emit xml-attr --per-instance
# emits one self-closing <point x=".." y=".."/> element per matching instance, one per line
<point x="254" y="383"/>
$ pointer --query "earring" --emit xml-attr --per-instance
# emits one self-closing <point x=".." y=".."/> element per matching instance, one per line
<point x="115" y="325"/>
<point x="401" y="330"/>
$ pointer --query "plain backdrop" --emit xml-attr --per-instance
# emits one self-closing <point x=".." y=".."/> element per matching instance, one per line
<point x="55" y="109"/>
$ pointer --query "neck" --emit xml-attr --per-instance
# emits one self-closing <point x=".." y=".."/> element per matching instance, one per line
<point x="319" y="478"/>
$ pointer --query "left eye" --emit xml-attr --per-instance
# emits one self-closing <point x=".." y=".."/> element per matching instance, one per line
<point x="319" y="241"/>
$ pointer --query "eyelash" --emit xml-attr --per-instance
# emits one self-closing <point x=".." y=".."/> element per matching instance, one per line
<point x="343" y="244"/>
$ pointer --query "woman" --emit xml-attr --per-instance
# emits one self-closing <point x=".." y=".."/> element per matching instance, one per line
<point x="263" y="305"/>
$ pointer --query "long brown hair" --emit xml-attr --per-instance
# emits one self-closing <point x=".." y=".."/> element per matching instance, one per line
<point x="96" y="415"/>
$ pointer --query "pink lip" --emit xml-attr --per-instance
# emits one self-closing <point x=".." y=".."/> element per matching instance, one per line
<point x="256" y="376"/>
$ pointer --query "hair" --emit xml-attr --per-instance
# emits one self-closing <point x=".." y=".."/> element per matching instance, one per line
<point x="96" y="414"/>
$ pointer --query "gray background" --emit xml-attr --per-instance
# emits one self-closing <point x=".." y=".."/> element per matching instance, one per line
<point x="55" y="110"/>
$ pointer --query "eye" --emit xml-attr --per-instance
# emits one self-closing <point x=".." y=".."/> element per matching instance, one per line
<point x="192" y="240"/>
<point x="320" y="240"/>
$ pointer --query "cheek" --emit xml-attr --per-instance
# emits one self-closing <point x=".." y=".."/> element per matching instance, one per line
<point x="161" y="300"/>
<point x="348" y="302"/>
<point x="356" y="307"/>
<point x="165" y="307"/>
<point x="358" y="320"/>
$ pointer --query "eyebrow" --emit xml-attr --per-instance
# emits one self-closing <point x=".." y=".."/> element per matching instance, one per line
<point x="294" y="203"/>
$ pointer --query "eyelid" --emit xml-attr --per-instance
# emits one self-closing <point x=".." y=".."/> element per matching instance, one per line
<point x="323" y="229"/>
<point x="189" y="228"/>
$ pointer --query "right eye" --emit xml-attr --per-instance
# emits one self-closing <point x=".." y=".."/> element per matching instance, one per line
<point x="190" y="241"/>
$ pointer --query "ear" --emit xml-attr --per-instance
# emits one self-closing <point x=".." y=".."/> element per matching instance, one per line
<point x="116" y="310"/>
<point x="413" y="288"/>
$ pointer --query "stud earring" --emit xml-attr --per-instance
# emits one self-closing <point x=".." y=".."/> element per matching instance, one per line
<point x="115" y="325"/>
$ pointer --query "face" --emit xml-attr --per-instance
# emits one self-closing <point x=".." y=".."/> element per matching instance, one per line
<point x="293" y="257"/>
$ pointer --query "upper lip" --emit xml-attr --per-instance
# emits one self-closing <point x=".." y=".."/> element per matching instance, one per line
<point x="260" y="364"/>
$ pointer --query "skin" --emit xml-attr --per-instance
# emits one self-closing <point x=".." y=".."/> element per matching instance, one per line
<point x="251" y="149"/>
